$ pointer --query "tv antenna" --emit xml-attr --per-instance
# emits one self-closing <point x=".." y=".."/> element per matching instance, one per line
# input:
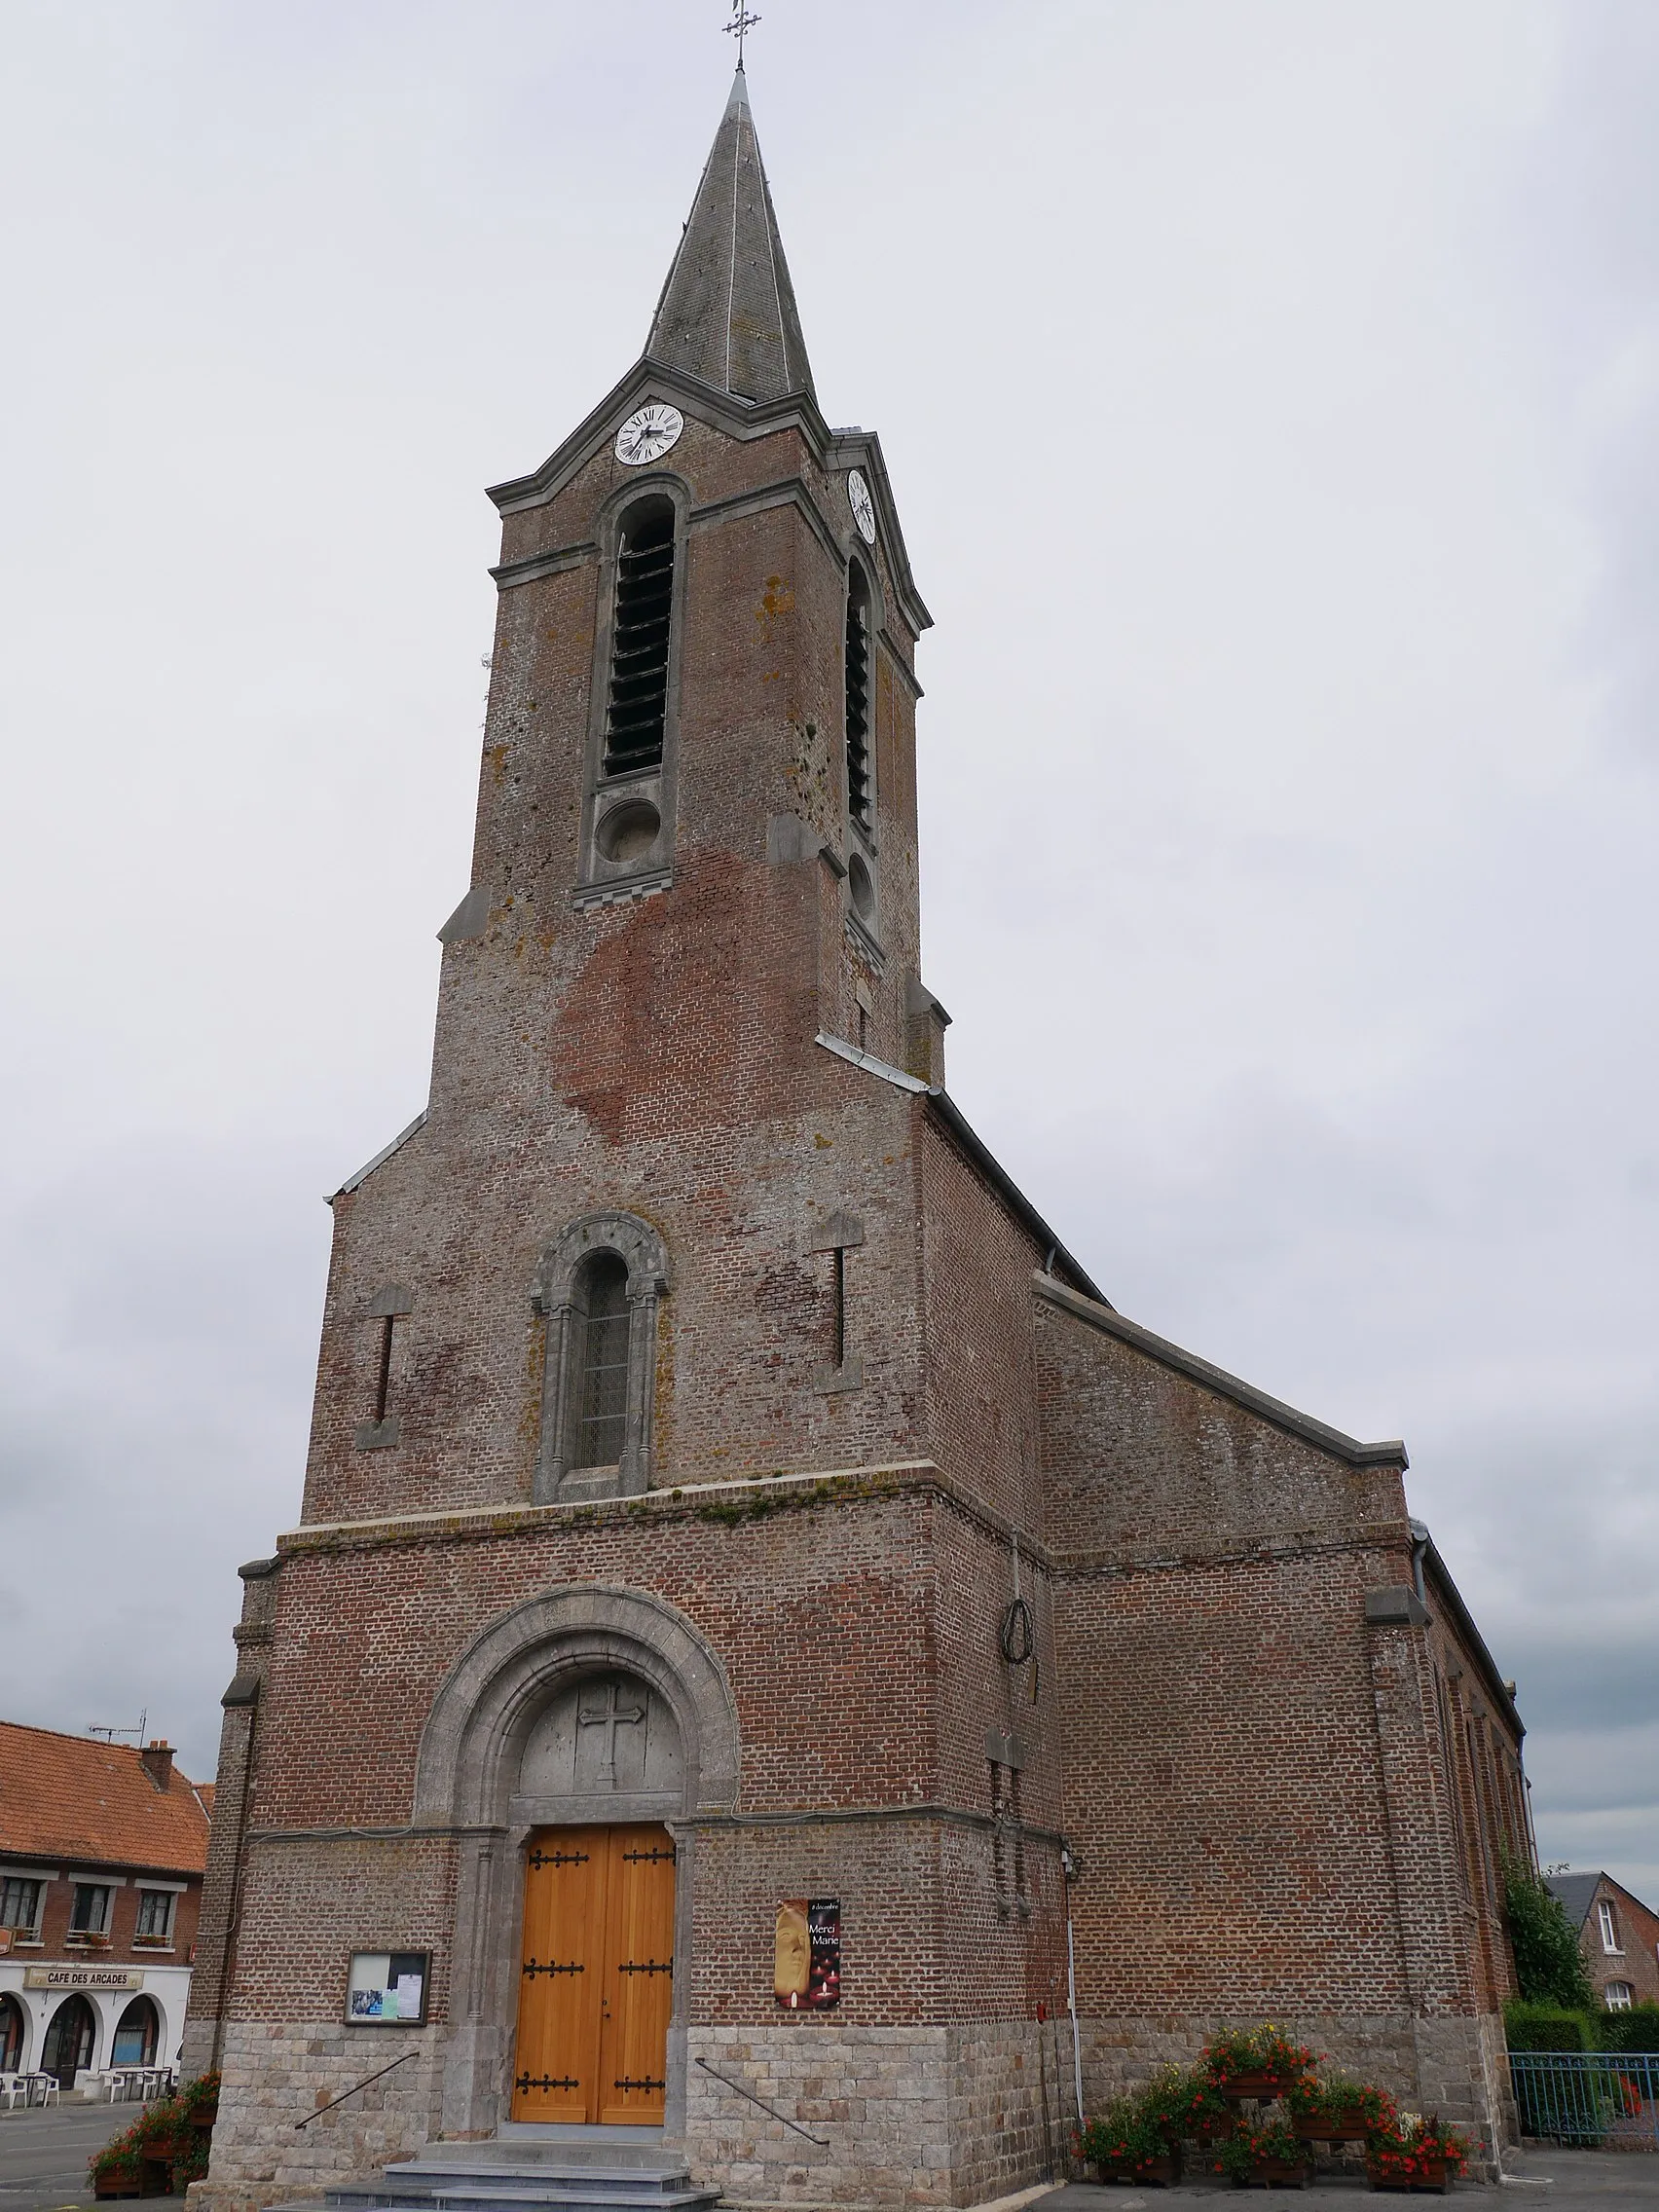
<point x="741" y="24"/>
<point x="110" y="1734"/>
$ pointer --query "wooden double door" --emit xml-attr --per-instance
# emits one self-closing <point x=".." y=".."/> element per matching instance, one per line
<point x="595" y="1980"/>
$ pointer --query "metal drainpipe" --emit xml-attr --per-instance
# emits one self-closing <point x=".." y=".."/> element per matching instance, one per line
<point x="1420" y="1545"/>
<point x="1068" y="1867"/>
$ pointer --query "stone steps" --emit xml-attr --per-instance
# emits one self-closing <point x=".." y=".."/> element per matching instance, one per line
<point x="526" y="2174"/>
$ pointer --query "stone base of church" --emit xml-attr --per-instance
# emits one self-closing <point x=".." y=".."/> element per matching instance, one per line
<point x="955" y="2115"/>
<point x="1452" y="2064"/>
<point x="809" y="2111"/>
<point x="273" y="2074"/>
<point x="951" y="2115"/>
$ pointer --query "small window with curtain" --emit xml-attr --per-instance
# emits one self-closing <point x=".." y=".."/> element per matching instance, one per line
<point x="155" y="1916"/>
<point x="601" y="1382"/>
<point x="88" y="1915"/>
<point x="19" y="1904"/>
<point x="1618" y="1995"/>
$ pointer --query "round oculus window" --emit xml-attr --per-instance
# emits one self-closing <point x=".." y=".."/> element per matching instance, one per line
<point x="862" y="887"/>
<point x="629" y="830"/>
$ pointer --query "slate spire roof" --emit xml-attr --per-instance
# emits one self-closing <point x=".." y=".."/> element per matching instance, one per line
<point x="727" y="311"/>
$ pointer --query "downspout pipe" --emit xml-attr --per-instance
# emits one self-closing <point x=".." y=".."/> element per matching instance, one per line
<point x="1068" y="1870"/>
<point x="1419" y="1548"/>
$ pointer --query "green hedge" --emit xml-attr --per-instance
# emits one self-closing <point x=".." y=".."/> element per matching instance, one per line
<point x="1548" y="2027"/>
<point x="1632" y="2031"/>
<point x="1553" y="2027"/>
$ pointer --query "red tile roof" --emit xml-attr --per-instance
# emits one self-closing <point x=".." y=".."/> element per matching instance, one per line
<point x="89" y="1802"/>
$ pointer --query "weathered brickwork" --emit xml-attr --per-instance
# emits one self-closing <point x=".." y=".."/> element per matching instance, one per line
<point x="971" y="1601"/>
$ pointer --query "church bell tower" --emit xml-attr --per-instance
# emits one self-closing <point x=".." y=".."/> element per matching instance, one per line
<point x="617" y="1697"/>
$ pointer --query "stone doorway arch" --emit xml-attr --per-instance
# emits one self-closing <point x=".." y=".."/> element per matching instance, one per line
<point x="497" y="1761"/>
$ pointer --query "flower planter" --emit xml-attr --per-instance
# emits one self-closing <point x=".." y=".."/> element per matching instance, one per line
<point x="1350" y="2126"/>
<point x="1435" y="2174"/>
<point x="117" y="2185"/>
<point x="1155" y="2174"/>
<point x="1263" y="2087"/>
<point x="1274" y="2173"/>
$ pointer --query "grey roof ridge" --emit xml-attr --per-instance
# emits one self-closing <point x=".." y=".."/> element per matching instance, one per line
<point x="1452" y="1600"/>
<point x="1390" y="1453"/>
<point x="385" y="1154"/>
<point x="980" y="1154"/>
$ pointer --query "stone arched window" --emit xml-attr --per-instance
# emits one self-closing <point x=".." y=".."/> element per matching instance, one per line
<point x="599" y="1285"/>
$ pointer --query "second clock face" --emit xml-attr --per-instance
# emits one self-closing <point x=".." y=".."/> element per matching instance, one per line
<point x="648" y="433"/>
<point x="863" y="506"/>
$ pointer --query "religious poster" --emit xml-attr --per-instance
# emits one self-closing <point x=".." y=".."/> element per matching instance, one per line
<point x="806" y="1954"/>
<point x="386" y="1988"/>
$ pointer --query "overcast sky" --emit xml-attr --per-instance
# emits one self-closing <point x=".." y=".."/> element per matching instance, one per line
<point x="1269" y="392"/>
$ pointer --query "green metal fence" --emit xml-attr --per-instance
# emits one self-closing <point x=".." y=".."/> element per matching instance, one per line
<point x="1598" y="2100"/>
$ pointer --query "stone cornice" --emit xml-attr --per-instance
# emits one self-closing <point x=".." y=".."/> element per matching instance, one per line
<point x="738" y="1499"/>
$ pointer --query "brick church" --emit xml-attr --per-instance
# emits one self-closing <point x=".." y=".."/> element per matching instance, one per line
<point x="757" y="1608"/>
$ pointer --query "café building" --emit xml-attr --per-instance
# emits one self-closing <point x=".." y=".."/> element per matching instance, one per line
<point x="103" y="1848"/>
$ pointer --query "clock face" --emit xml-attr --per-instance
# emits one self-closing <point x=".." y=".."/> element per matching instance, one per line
<point x="648" y="433"/>
<point x="863" y="506"/>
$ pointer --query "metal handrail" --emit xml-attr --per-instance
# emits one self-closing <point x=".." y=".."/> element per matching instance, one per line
<point x="350" y="2093"/>
<point x="822" y="2141"/>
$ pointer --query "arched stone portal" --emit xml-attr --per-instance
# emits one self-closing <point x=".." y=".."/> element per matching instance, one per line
<point x="592" y="1703"/>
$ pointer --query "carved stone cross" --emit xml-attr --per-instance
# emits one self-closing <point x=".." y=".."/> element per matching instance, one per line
<point x="610" y="1716"/>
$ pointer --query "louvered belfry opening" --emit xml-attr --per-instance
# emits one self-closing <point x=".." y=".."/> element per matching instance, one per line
<point x="857" y="701"/>
<point x="637" y="705"/>
<point x="602" y="1399"/>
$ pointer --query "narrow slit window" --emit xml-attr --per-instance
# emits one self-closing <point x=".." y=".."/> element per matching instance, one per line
<point x="383" y="1376"/>
<point x="857" y="701"/>
<point x="636" y="709"/>
<point x="838" y="1308"/>
<point x="602" y="1406"/>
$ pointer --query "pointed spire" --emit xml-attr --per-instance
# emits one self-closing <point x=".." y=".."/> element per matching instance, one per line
<point x="727" y="311"/>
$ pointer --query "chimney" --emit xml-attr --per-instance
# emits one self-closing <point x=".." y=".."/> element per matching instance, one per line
<point x="157" y="1759"/>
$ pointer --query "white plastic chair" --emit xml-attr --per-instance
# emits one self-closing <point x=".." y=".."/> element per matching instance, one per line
<point x="47" y="2084"/>
<point x="12" y="2086"/>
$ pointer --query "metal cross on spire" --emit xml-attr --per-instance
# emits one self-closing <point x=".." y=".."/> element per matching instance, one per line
<point x="741" y="24"/>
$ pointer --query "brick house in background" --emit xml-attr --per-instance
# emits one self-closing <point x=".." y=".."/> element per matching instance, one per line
<point x="754" y="1593"/>
<point x="103" y="1848"/>
<point x="1618" y="1934"/>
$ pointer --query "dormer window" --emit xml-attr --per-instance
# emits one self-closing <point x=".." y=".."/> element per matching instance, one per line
<point x="636" y="705"/>
<point x="859" y="806"/>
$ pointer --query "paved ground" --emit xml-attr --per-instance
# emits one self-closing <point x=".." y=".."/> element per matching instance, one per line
<point x="43" y="2169"/>
<point x="42" y="2155"/>
<point x="1563" y="2181"/>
